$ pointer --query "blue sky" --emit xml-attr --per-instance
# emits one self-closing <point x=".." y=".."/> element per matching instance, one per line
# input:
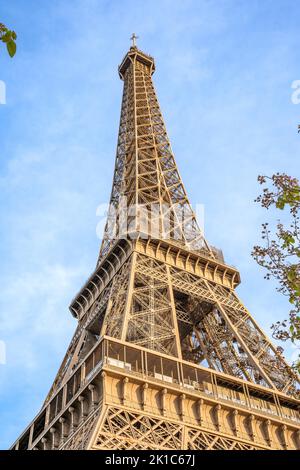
<point x="224" y="70"/>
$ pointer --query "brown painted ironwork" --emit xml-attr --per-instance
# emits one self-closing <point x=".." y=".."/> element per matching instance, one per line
<point x="165" y="354"/>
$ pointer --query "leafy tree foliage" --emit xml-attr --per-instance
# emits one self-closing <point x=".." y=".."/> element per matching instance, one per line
<point x="280" y="253"/>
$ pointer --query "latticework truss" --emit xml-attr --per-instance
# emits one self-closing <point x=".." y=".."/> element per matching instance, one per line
<point x="165" y="355"/>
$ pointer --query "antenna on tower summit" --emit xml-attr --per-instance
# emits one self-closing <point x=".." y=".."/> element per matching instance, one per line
<point x="133" y="38"/>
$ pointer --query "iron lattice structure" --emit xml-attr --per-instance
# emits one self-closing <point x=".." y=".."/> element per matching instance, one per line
<point x="165" y="355"/>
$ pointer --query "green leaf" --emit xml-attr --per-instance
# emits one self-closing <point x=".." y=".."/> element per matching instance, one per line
<point x="6" y="37"/>
<point x="11" y="47"/>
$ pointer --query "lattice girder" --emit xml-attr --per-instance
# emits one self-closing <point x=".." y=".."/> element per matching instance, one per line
<point x="168" y="309"/>
<point x="145" y="168"/>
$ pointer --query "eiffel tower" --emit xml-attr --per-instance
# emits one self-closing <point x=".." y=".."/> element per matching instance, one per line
<point x="165" y="355"/>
